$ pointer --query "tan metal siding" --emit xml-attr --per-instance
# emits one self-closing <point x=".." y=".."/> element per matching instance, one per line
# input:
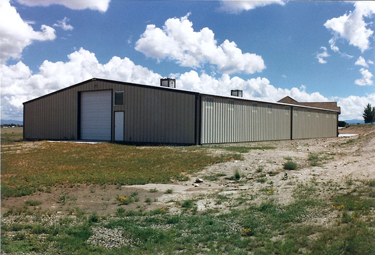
<point x="159" y="116"/>
<point x="309" y="123"/>
<point x="151" y="115"/>
<point x="229" y="120"/>
<point x="52" y="117"/>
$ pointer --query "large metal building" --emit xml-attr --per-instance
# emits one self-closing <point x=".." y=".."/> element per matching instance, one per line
<point x="106" y="110"/>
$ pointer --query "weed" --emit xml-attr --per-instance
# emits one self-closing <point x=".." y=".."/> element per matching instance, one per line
<point x="19" y="236"/>
<point x="259" y="169"/>
<point x="246" y="232"/>
<point x="371" y="183"/>
<point x="272" y="173"/>
<point x="63" y="199"/>
<point x="120" y="212"/>
<point x="33" y="202"/>
<point x="213" y="177"/>
<point x="148" y="200"/>
<point x="261" y="180"/>
<point x="169" y="191"/>
<point x="123" y="200"/>
<point x="153" y="190"/>
<point x="48" y="189"/>
<point x="236" y="175"/>
<point x="349" y="182"/>
<point x="314" y="159"/>
<point x="182" y="177"/>
<point x="93" y="218"/>
<point x="244" y="149"/>
<point x="187" y="204"/>
<point x="134" y="194"/>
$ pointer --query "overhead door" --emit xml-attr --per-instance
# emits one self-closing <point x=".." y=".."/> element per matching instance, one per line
<point x="96" y="108"/>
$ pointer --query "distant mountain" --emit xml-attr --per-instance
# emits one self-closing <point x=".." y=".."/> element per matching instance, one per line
<point x="355" y="121"/>
<point x="3" y="122"/>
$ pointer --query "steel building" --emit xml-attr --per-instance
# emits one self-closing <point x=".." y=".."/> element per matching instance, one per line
<point x="106" y="110"/>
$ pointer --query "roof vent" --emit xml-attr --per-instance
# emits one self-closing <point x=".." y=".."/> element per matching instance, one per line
<point x="236" y="93"/>
<point x="168" y="82"/>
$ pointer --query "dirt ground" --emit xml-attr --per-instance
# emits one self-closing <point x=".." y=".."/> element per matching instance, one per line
<point x="342" y="159"/>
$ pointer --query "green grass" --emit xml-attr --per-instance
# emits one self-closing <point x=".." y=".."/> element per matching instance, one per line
<point x="33" y="202"/>
<point x="68" y="164"/>
<point x="213" y="177"/>
<point x="11" y="135"/>
<point x="318" y="159"/>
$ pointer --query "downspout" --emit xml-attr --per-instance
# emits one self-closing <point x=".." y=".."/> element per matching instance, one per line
<point x="198" y="119"/>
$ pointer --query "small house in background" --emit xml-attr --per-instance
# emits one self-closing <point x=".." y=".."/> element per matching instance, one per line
<point x="106" y="110"/>
<point x="324" y="105"/>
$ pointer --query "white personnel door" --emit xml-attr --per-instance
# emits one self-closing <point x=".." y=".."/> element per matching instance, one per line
<point x="119" y="126"/>
<point x="96" y="109"/>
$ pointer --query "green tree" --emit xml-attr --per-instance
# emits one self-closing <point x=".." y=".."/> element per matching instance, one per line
<point x="369" y="114"/>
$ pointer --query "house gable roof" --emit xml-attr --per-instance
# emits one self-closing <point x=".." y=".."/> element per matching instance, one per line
<point x="324" y="105"/>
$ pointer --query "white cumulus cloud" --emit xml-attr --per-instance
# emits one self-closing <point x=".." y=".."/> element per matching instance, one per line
<point x="352" y="26"/>
<point x="352" y="106"/>
<point x="178" y="41"/>
<point x="18" y="84"/>
<point x="16" y="34"/>
<point x="98" y="5"/>
<point x="63" y="24"/>
<point x="320" y="56"/>
<point x="361" y="62"/>
<point x="256" y="88"/>
<point x="235" y="7"/>
<point x="366" y="78"/>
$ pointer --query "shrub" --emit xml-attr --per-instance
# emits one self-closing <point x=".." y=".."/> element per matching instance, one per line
<point x="290" y="165"/>
<point x="237" y="175"/>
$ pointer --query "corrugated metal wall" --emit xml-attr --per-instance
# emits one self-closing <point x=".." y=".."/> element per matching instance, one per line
<point x="158" y="116"/>
<point x="226" y="120"/>
<point x="309" y="123"/>
<point x="52" y="117"/>
<point x="151" y="114"/>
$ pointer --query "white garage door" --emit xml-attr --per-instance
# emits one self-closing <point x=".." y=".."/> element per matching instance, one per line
<point x="96" y="115"/>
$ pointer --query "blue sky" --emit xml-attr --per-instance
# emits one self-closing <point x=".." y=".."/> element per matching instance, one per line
<point x="311" y="51"/>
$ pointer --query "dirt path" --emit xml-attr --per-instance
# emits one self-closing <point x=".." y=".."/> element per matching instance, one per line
<point x="339" y="160"/>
